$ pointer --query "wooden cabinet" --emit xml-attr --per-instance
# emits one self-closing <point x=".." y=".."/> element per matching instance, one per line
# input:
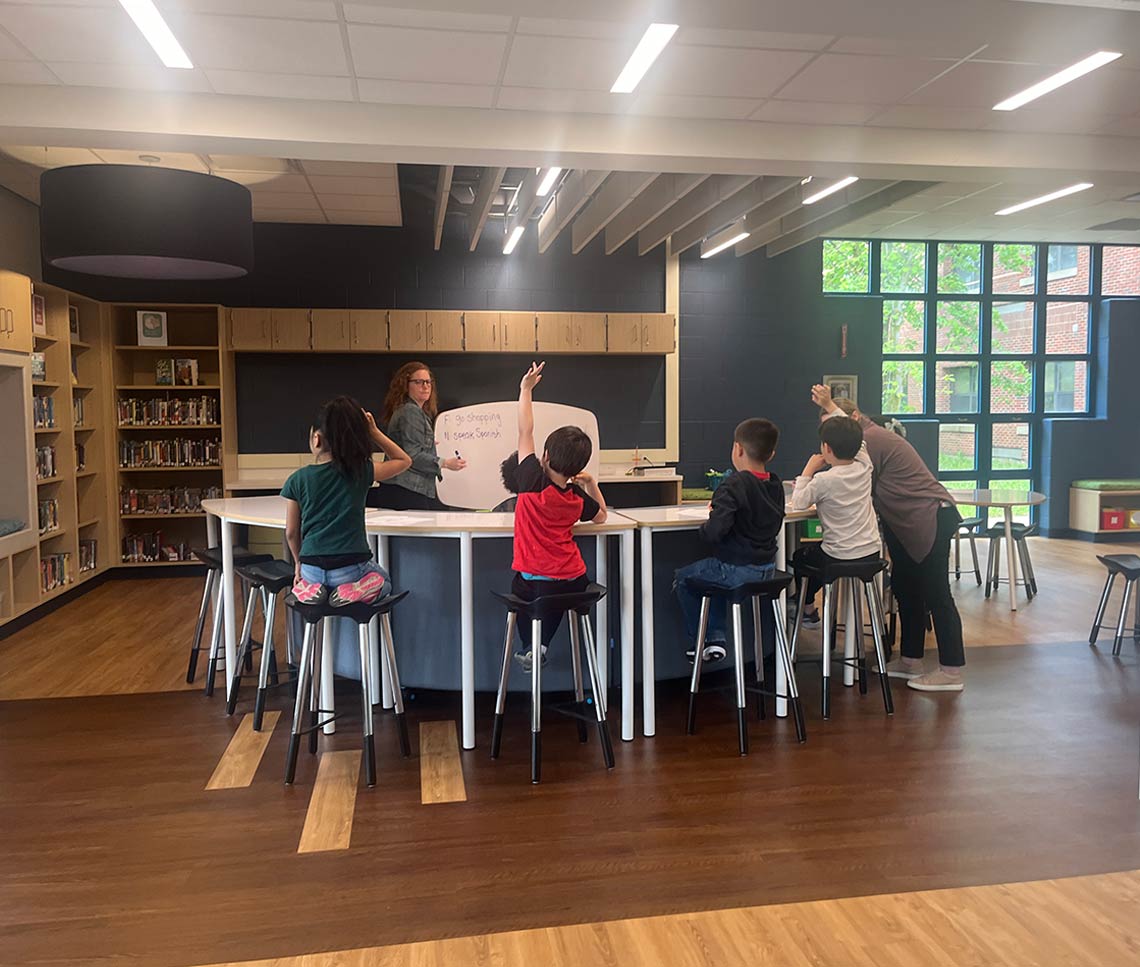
<point x="516" y="332"/>
<point x="556" y="332"/>
<point x="444" y="332"/>
<point x="250" y="329"/>
<point x="15" y="312"/>
<point x="331" y="330"/>
<point x="624" y="332"/>
<point x="368" y="330"/>
<point x="291" y="330"/>
<point x="588" y="332"/>
<point x="641" y="332"/>
<point x="658" y="332"/>
<point x="481" y="331"/>
<point x="407" y="330"/>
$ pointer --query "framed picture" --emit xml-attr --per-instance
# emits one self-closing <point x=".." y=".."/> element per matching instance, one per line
<point x="164" y="372"/>
<point x="73" y="322"/>
<point x="152" y="327"/>
<point x="39" y="315"/>
<point x="185" y="372"/>
<point x="843" y="387"/>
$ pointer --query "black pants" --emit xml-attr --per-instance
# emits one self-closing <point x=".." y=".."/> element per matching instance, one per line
<point x="531" y="590"/>
<point x="924" y="586"/>
<point x="813" y="555"/>
<point x="394" y="497"/>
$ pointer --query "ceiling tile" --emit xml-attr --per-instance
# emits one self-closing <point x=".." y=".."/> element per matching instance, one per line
<point x="932" y="117"/>
<point x="249" y="163"/>
<point x="291" y="9"/>
<point x="857" y="79"/>
<point x="288" y="215"/>
<point x="1047" y="121"/>
<point x="399" y="53"/>
<point x="563" y="63"/>
<point x="598" y="29"/>
<point x="350" y="169"/>
<point x="293" y="201"/>
<point x="680" y="106"/>
<point x="261" y="45"/>
<point x="260" y="182"/>
<point x="926" y="44"/>
<point x="354" y="185"/>
<point x="724" y="71"/>
<point x="766" y="39"/>
<point x="51" y="33"/>
<point x="438" y="19"/>
<point x="167" y="159"/>
<point x="51" y="157"/>
<point x="573" y="102"/>
<point x="361" y="203"/>
<point x="364" y="218"/>
<point x="296" y="86"/>
<point x="814" y="112"/>
<point x="10" y="50"/>
<point x="140" y="77"/>
<point x="434" y="95"/>
<point x="978" y="84"/>
<point x="25" y="72"/>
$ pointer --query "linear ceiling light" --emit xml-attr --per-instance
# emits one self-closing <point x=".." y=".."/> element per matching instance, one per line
<point x="1053" y="195"/>
<point x="547" y="182"/>
<point x="648" y="49"/>
<point x="726" y="239"/>
<point x="158" y="34"/>
<point x="1060" y="79"/>
<point x="830" y="189"/>
<point x="513" y="239"/>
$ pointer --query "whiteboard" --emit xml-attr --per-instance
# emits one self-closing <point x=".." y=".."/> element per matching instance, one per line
<point x="485" y="435"/>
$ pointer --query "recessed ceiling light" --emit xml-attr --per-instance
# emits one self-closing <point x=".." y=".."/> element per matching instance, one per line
<point x="648" y="49"/>
<point x="1060" y="79"/>
<point x="726" y="239"/>
<point x="513" y="239"/>
<point x="547" y="182"/>
<point x="830" y="189"/>
<point x="1021" y="206"/>
<point x="158" y="34"/>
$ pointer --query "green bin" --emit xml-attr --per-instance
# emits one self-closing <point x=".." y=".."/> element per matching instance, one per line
<point x="812" y="529"/>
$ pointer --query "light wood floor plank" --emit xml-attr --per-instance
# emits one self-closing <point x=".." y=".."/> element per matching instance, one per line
<point x="441" y="769"/>
<point x="239" y="762"/>
<point x="328" y="823"/>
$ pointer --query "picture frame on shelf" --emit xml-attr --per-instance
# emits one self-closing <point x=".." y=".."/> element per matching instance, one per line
<point x="39" y="368"/>
<point x="152" y="327"/>
<point x="843" y="387"/>
<point x="39" y="315"/>
<point x="186" y="372"/>
<point x="73" y="322"/>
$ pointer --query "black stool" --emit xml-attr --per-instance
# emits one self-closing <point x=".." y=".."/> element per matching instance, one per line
<point x="577" y="607"/>
<point x="758" y="593"/>
<point x="266" y="581"/>
<point x="308" y="675"/>
<point x="1129" y="566"/>
<point x="969" y="529"/>
<point x="853" y="573"/>
<point x="993" y="567"/>
<point x="212" y="558"/>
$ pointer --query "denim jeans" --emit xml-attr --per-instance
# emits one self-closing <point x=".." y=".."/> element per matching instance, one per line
<point x="345" y="575"/>
<point x="712" y="571"/>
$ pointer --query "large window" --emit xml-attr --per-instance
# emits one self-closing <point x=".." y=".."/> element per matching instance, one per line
<point x="986" y="338"/>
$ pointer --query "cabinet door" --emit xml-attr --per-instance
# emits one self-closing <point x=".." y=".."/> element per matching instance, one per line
<point x="368" y="330"/>
<point x="15" y="312"/>
<point x="588" y="332"/>
<point x="556" y="332"/>
<point x="292" y="331"/>
<point x="444" y="332"/>
<point x="331" y="329"/>
<point x="481" y="331"/>
<point x="407" y="330"/>
<point x="516" y="332"/>
<point x="658" y="332"/>
<point x="250" y="329"/>
<point x="624" y="332"/>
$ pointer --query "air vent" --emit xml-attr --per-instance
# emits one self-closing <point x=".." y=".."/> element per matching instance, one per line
<point x="1120" y="225"/>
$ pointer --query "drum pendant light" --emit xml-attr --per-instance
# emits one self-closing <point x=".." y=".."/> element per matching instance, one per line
<point x="137" y="222"/>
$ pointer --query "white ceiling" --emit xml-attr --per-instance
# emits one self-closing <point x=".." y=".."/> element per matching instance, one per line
<point x="883" y="88"/>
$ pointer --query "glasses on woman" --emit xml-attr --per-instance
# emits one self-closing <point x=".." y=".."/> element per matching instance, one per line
<point x="419" y="382"/>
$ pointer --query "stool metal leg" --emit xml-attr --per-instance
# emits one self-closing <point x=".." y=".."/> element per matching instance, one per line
<point x="598" y="691"/>
<point x="501" y="696"/>
<point x="369" y="743"/>
<point x="874" y="602"/>
<point x="825" y="695"/>
<point x="738" y="657"/>
<point x="1121" y="625"/>
<point x="799" y="616"/>
<point x="203" y="610"/>
<point x="974" y="555"/>
<point x="1029" y="566"/>
<point x="1095" y="633"/>
<point x="783" y="653"/>
<point x="576" y="665"/>
<point x="316" y="678"/>
<point x="758" y="642"/>
<point x="266" y="661"/>
<point x="389" y="644"/>
<point x="992" y="565"/>
<point x="695" y="681"/>
<point x="600" y="698"/>
<point x="1022" y="554"/>
<point x="860" y="650"/>
<point x="536" y="701"/>
<point x="244" y="651"/>
<point x="304" y="672"/>
<point x="215" y="643"/>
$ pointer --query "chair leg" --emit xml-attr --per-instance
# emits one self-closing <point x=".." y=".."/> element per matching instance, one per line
<point x="783" y="653"/>
<point x="992" y="565"/>
<point x="244" y="652"/>
<point x="825" y="692"/>
<point x="597" y="690"/>
<point x="799" y="616"/>
<point x="369" y="744"/>
<point x="860" y="651"/>
<point x="1029" y="566"/>
<point x="874" y="602"/>
<point x="501" y="695"/>
<point x="203" y="610"/>
<point x="738" y="657"/>
<point x="1026" y="580"/>
<point x="974" y="555"/>
<point x="576" y="665"/>
<point x="316" y="678"/>
<point x="215" y="643"/>
<point x="388" y="643"/>
<point x="304" y="671"/>
<point x="1121" y="625"/>
<point x="758" y="647"/>
<point x="695" y="681"/>
<point x="536" y="701"/>
<point x="267" y="663"/>
<point x="1108" y="583"/>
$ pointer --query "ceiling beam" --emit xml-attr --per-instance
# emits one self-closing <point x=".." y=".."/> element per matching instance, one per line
<point x="698" y="201"/>
<point x="484" y="198"/>
<point x="619" y="191"/>
<point x="526" y="201"/>
<point x="442" y="194"/>
<point x="665" y="191"/>
<point x="762" y="190"/>
<point x="575" y="191"/>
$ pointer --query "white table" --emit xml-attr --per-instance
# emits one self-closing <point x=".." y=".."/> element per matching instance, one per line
<point x="1006" y="500"/>
<point x="464" y="527"/>
<point x="651" y="520"/>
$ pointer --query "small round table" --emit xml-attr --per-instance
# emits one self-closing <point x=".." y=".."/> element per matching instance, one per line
<point x="1006" y="500"/>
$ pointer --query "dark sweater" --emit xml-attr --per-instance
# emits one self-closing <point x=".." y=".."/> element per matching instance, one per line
<point x="746" y="517"/>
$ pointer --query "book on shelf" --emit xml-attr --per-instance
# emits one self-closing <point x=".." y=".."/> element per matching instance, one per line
<point x="74" y="370"/>
<point x="77" y="409"/>
<point x="49" y="516"/>
<point x="39" y="315"/>
<point x="186" y="411"/>
<point x="164" y="372"/>
<point x="55" y="571"/>
<point x="80" y="457"/>
<point x="88" y="557"/>
<point x="39" y="368"/>
<point x="185" y="372"/>
<point x="43" y="412"/>
<point x="149" y="547"/>
<point x="168" y="500"/>
<point x="173" y="453"/>
<point x="45" y="462"/>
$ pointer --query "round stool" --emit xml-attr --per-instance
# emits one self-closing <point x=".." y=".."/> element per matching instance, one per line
<point x="969" y="529"/>
<point x="993" y="567"/>
<point x="1127" y="565"/>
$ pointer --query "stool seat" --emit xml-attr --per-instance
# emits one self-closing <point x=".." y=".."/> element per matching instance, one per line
<point x="771" y="587"/>
<point x="837" y="570"/>
<point x="1018" y="530"/>
<point x="273" y="575"/>
<point x="212" y="556"/>
<point x="1126" y="564"/>
<point x="550" y="605"/>
<point x="362" y="613"/>
<point x="970" y="523"/>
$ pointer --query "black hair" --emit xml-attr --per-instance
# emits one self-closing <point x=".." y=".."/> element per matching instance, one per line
<point x="509" y="470"/>
<point x="345" y="434"/>
<point x="568" y="450"/>
<point x="758" y="437"/>
<point x="843" y="434"/>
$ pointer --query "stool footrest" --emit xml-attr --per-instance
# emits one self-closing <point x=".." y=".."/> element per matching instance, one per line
<point x="569" y="709"/>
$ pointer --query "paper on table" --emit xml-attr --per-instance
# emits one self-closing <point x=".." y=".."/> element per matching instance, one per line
<point x="694" y="513"/>
<point x="394" y="520"/>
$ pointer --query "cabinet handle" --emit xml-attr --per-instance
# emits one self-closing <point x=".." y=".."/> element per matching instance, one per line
<point x="645" y="336"/>
<point x="506" y="334"/>
<point x="419" y="331"/>
<point x="430" y="335"/>
<point x="342" y="329"/>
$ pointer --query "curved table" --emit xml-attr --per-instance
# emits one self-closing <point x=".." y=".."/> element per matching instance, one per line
<point x="464" y="527"/>
<point x="1006" y="500"/>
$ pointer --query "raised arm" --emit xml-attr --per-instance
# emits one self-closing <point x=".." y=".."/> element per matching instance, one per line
<point x="821" y="397"/>
<point x="530" y="380"/>
<point x="397" y="461"/>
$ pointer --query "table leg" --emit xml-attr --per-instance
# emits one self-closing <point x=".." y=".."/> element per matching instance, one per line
<point x="781" y="682"/>
<point x="381" y="679"/>
<point x="1011" y="559"/>
<point x="602" y="621"/>
<point x="467" y="638"/>
<point x="627" y="686"/>
<point x="329" y="636"/>
<point x="648" y="697"/>
<point x="228" y="603"/>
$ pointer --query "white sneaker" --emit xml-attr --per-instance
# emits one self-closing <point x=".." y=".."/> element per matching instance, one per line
<point x="899" y="669"/>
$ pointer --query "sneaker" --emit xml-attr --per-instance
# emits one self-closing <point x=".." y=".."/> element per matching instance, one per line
<point x="309" y="592"/>
<point x="525" y="659"/>
<point x="937" y="681"/>
<point x="364" y="591"/>
<point x="900" y="669"/>
<point x="713" y="652"/>
<point x="811" y="619"/>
